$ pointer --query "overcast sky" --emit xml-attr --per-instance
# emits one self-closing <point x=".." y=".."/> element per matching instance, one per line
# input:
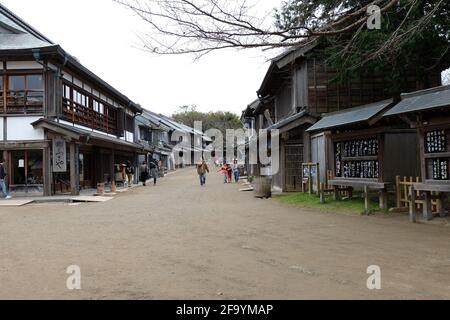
<point x="102" y="35"/>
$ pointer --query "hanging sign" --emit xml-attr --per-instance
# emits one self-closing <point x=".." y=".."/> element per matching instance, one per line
<point x="59" y="155"/>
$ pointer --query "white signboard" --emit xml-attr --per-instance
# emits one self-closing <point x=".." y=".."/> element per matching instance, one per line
<point x="59" y="155"/>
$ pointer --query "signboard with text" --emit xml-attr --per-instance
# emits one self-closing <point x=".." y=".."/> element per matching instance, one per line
<point x="59" y="155"/>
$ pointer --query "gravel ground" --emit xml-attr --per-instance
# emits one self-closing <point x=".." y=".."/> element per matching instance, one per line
<point x="178" y="240"/>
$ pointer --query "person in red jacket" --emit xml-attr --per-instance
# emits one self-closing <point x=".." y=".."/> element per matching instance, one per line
<point x="225" y="169"/>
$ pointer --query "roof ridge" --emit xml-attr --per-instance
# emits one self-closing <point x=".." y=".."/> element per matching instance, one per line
<point x="19" y="21"/>
<point x="424" y="91"/>
<point x="357" y="107"/>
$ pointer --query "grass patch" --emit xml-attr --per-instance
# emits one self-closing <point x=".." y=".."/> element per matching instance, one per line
<point x="305" y="200"/>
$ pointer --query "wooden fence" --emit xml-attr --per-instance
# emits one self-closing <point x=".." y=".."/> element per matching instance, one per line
<point x="403" y="198"/>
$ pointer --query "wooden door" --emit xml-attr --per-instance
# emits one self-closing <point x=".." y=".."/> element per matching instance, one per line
<point x="293" y="167"/>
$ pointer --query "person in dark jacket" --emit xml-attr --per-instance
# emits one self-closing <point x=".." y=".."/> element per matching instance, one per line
<point x="3" y="176"/>
<point x="153" y="170"/>
<point x="143" y="173"/>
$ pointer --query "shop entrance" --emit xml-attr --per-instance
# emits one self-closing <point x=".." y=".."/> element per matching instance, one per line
<point x="86" y="170"/>
<point x="26" y="171"/>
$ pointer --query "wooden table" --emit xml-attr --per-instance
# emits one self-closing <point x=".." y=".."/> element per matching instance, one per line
<point x="366" y="186"/>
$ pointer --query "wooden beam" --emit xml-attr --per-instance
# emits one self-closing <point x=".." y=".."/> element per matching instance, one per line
<point x="47" y="171"/>
<point x="73" y="172"/>
<point x="412" y="205"/>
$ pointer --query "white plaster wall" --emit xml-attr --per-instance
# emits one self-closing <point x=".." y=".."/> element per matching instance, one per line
<point x="20" y="128"/>
<point x="23" y="65"/>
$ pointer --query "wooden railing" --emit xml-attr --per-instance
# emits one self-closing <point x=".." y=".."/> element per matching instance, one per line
<point x="82" y="115"/>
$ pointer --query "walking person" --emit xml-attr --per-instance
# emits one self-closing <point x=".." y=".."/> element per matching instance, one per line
<point x="202" y="169"/>
<point x="3" y="176"/>
<point x="129" y="170"/>
<point x="143" y="173"/>
<point x="224" y="170"/>
<point x="229" y="173"/>
<point x="154" y="170"/>
<point x="236" y="171"/>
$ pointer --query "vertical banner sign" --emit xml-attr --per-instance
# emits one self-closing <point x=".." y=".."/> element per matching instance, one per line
<point x="59" y="155"/>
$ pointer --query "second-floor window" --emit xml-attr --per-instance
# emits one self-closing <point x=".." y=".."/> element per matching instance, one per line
<point x="22" y="94"/>
<point x="145" y="134"/>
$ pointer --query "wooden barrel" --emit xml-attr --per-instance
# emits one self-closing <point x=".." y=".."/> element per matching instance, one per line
<point x="100" y="188"/>
<point x="262" y="187"/>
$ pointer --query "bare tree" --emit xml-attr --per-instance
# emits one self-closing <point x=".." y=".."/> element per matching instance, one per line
<point x="202" y="26"/>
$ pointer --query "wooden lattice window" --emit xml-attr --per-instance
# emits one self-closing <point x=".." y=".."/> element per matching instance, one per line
<point x="24" y="94"/>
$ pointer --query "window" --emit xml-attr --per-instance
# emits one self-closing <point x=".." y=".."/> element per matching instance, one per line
<point x="145" y="134"/>
<point x="25" y="94"/>
<point x="98" y="107"/>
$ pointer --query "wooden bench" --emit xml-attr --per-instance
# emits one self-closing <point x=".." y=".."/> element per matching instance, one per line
<point x="427" y="189"/>
<point x="366" y="186"/>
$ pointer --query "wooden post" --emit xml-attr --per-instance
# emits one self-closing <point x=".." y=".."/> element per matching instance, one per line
<point x="366" y="199"/>
<point x="336" y="195"/>
<point x="427" y="213"/>
<point x="383" y="199"/>
<point x="322" y="193"/>
<point x="412" y="204"/>
<point x="398" y="191"/>
<point x="73" y="170"/>
<point x="47" y="171"/>
<point x="310" y="181"/>
<point x="318" y="177"/>
<point x="441" y="207"/>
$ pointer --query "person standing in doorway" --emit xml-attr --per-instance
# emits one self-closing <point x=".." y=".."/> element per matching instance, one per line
<point x="202" y="169"/>
<point x="130" y="173"/>
<point x="154" y="170"/>
<point x="3" y="176"/>
<point x="143" y="173"/>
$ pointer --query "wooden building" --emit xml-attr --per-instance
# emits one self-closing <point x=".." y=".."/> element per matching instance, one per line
<point x="62" y="128"/>
<point x="296" y="91"/>
<point x="367" y="151"/>
<point x="428" y="113"/>
<point x="155" y="137"/>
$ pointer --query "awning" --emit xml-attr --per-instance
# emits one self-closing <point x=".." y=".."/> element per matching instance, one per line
<point x="293" y="121"/>
<point x="86" y="135"/>
<point x="422" y="101"/>
<point x="351" y="116"/>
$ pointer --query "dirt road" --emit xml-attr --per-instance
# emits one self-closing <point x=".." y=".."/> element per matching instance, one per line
<point x="182" y="241"/>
